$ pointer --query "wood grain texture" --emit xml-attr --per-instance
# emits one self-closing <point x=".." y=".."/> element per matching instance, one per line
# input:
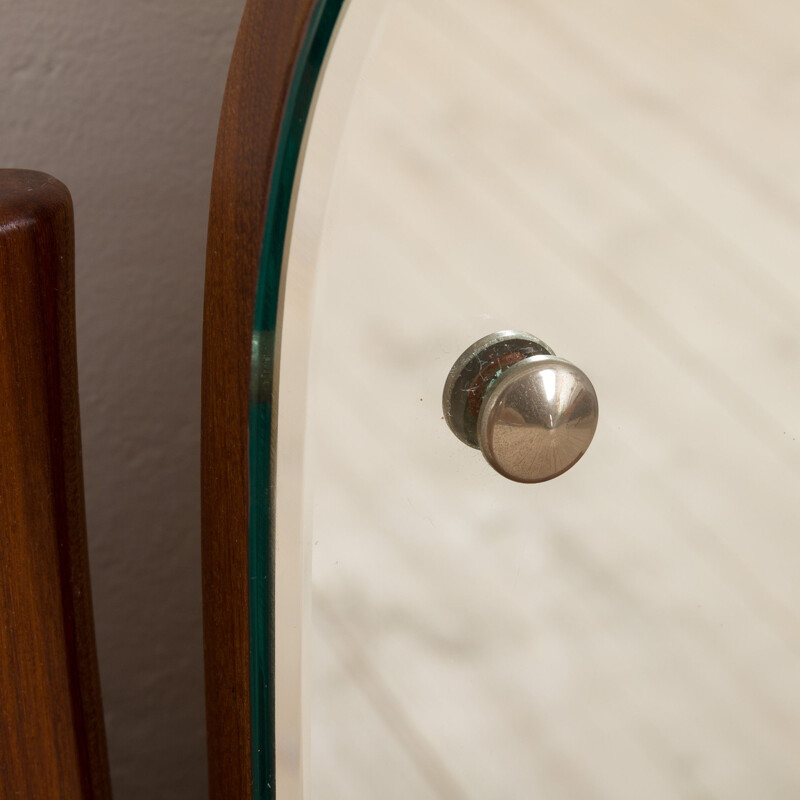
<point x="258" y="83"/>
<point x="52" y="740"/>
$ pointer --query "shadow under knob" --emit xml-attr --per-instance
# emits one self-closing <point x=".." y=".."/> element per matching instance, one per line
<point x="532" y="414"/>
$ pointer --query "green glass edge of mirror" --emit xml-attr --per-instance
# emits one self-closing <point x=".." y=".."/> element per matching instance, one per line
<point x="261" y="544"/>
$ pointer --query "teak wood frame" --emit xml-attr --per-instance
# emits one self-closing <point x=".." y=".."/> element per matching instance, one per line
<point x="264" y="62"/>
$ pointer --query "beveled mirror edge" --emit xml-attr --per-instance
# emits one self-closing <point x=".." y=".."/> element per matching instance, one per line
<point x="289" y="480"/>
<point x="352" y="34"/>
<point x="266" y="61"/>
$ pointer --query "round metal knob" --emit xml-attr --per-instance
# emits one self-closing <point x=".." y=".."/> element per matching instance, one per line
<point x="532" y="414"/>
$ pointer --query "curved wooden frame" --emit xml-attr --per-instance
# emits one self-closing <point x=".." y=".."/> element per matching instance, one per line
<point x="264" y="62"/>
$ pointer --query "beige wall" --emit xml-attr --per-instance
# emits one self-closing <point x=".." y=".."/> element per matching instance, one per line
<point x="120" y="101"/>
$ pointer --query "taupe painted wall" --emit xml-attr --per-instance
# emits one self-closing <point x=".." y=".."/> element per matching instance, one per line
<point x="120" y="101"/>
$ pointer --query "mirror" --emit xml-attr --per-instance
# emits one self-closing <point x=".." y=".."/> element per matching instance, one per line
<point x="619" y="179"/>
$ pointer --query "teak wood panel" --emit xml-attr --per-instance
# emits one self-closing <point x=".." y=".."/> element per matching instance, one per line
<point x="52" y="740"/>
<point x="260" y="75"/>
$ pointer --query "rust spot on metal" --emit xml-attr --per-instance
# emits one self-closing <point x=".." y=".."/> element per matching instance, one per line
<point x="481" y="382"/>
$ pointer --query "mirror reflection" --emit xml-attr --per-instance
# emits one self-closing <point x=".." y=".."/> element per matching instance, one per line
<point x="620" y="179"/>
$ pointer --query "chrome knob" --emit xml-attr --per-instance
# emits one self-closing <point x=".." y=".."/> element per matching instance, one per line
<point x="531" y="413"/>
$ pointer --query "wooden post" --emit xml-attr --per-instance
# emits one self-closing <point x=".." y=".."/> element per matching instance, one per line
<point x="52" y="740"/>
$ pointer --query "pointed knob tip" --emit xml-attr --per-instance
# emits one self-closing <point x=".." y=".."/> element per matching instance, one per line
<point x="538" y="419"/>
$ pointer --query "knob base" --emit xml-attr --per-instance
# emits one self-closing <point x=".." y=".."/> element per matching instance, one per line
<point x="476" y="370"/>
